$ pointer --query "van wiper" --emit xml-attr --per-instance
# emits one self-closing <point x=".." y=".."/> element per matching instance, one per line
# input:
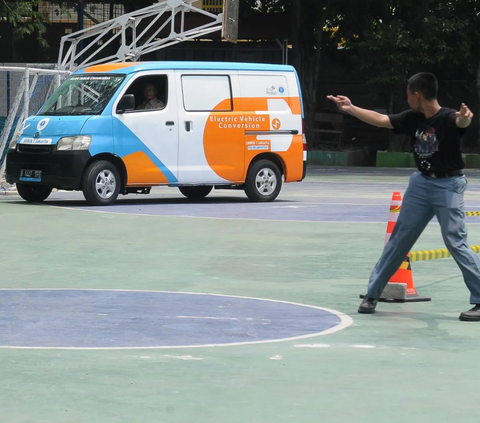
<point x="51" y="114"/>
<point x="70" y="113"/>
<point x="84" y="113"/>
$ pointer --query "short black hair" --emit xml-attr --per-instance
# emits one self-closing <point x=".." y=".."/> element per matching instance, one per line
<point x="424" y="83"/>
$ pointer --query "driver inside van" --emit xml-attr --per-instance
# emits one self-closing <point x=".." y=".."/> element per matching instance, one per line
<point x="151" y="101"/>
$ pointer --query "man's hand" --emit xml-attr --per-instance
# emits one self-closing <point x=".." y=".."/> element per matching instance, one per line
<point x="369" y="116"/>
<point x="342" y="102"/>
<point x="464" y="116"/>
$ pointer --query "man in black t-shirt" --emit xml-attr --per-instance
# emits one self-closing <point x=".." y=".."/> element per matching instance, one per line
<point x="436" y="190"/>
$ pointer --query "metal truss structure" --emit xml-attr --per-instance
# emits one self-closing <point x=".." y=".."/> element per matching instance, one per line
<point x="136" y="33"/>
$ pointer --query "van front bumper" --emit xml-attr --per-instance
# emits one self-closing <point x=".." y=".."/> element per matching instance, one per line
<point x="59" y="169"/>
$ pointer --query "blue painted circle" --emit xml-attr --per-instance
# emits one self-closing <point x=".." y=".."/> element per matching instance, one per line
<point x="135" y="319"/>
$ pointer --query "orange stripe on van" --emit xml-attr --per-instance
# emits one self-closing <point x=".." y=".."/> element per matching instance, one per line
<point x="295" y="105"/>
<point x="141" y="170"/>
<point x="224" y="148"/>
<point x="228" y="150"/>
<point x="292" y="159"/>
<point x="294" y="169"/>
<point x="254" y="104"/>
<point x="108" y="67"/>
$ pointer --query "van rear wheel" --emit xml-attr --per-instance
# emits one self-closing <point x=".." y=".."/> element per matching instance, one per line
<point x="196" y="193"/>
<point x="101" y="183"/>
<point x="33" y="193"/>
<point x="264" y="181"/>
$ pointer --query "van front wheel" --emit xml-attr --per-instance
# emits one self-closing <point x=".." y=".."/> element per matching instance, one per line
<point x="264" y="181"/>
<point x="33" y="193"/>
<point x="196" y="193"/>
<point x="101" y="183"/>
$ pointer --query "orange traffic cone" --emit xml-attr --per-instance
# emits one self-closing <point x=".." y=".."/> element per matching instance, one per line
<point x="400" y="287"/>
<point x="395" y="208"/>
<point x="404" y="274"/>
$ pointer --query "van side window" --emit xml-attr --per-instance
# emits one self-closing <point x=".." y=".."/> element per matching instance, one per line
<point x="150" y="92"/>
<point x="204" y="93"/>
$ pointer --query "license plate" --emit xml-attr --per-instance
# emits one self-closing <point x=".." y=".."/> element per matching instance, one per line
<point x="30" y="175"/>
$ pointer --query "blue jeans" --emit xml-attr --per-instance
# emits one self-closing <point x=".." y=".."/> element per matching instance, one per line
<point x="424" y="198"/>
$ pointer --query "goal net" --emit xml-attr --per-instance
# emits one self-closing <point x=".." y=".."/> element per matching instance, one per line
<point x="22" y="92"/>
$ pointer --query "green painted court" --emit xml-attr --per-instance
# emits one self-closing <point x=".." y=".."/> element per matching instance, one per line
<point x="93" y="327"/>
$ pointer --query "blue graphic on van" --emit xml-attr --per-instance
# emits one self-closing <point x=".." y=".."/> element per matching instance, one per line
<point x="58" y="127"/>
<point x="132" y="144"/>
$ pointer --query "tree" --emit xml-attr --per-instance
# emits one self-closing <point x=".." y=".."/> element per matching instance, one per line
<point x="392" y="39"/>
<point x="25" y="19"/>
<point x="468" y="11"/>
<point x="310" y="41"/>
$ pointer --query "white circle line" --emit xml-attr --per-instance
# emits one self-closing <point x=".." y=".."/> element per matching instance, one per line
<point x="345" y="321"/>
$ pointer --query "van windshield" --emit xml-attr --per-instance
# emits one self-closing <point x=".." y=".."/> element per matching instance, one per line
<point x="82" y="95"/>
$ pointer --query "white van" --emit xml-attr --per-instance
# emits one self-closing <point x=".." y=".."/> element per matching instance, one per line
<point x="222" y="125"/>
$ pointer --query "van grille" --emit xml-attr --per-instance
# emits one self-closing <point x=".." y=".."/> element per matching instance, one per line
<point x="34" y="149"/>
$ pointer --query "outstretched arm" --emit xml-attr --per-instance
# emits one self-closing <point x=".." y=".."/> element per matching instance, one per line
<point x="368" y="116"/>
<point x="464" y="116"/>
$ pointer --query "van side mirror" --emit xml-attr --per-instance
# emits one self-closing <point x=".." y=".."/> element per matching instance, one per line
<point x="127" y="102"/>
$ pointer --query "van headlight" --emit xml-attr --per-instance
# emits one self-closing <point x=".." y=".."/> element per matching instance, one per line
<point x="13" y="143"/>
<point x="80" y="142"/>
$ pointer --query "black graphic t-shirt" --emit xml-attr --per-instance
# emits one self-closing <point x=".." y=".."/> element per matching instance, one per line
<point x="435" y="141"/>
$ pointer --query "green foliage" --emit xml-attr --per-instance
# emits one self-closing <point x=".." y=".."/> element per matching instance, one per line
<point x="393" y="39"/>
<point x="248" y="7"/>
<point x="25" y="18"/>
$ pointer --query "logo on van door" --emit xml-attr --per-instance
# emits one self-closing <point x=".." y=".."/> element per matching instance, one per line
<point x="272" y="90"/>
<point x="276" y="123"/>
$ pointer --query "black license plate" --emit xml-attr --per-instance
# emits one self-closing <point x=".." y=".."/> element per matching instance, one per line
<point x="30" y="175"/>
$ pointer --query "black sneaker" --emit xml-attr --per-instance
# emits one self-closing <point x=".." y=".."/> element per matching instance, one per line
<point x="472" y="315"/>
<point x="368" y="305"/>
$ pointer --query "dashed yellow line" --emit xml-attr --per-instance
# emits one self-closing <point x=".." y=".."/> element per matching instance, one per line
<point x="441" y="253"/>
<point x="435" y="254"/>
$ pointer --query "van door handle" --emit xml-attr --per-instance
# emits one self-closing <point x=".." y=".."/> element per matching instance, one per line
<point x="188" y="126"/>
<point x="169" y="123"/>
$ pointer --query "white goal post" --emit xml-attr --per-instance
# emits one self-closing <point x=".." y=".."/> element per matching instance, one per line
<point x="23" y="91"/>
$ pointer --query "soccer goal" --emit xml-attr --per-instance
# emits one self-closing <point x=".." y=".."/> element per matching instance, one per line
<point x="23" y="90"/>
